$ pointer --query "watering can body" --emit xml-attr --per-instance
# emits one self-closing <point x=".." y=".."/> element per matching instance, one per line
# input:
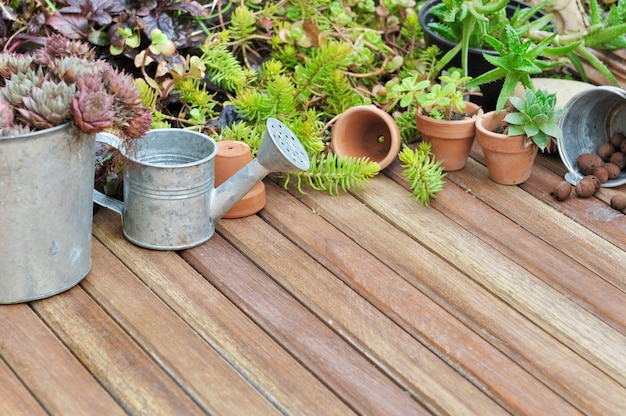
<point x="170" y="202"/>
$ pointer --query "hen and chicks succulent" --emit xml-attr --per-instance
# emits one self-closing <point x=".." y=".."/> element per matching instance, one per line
<point x="62" y="82"/>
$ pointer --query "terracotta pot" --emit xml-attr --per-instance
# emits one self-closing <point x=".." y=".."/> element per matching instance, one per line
<point x="451" y="140"/>
<point x="509" y="159"/>
<point x="232" y="156"/>
<point x="366" y="131"/>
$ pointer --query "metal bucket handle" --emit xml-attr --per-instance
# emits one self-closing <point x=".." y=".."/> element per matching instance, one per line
<point x="98" y="197"/>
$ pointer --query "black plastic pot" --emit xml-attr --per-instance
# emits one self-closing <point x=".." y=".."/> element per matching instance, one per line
<point x="477" y="64"/>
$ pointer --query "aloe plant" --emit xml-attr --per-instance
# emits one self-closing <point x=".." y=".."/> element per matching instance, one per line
<point x="469" y="23"/>
<point x="519" y="59"/>
<point x="604" y="32"/>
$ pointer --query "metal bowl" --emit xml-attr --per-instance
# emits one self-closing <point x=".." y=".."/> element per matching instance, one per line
<point x="589" y="119"/>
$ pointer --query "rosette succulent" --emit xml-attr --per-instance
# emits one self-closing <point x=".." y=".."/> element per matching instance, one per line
<point x="536" y="117"/>
<point x="62" y="82"/>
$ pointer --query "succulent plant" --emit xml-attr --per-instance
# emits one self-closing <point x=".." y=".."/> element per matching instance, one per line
<point x="62" y="82"/>
<point x="536" y="117"/>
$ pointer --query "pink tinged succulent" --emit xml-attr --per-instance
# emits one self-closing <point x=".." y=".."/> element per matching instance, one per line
<point x="6" y="114"/>
<point x="11" y="64"/>
<point x="20" y="85"/>
<point x="139" y="124"/>
<point x="92" y="108"/>
<point x="123" y="87"/>
<point x="58" y="46"/>
<point x="47" y="106"/>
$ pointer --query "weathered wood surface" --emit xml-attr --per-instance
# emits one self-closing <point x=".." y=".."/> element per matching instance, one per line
<point x="493" y="300"/>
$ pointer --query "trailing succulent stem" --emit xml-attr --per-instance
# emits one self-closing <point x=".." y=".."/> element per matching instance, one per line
<point x="329" y="172"/>
<point x="424" y="173"/>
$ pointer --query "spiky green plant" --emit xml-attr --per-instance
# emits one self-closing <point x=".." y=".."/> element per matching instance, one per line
<point x="424" y="173"/>
<point x="222" y="67"/>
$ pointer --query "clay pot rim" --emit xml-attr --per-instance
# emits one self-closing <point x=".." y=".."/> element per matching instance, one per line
<point x="511" y="143"/>
<point x="395" y="139"/>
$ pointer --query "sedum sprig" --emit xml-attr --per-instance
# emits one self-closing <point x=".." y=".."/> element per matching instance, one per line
<point x="424" y="173"/>
<point x="329" y="172"/>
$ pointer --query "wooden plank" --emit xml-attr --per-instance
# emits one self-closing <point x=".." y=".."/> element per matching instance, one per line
<point x="571" y="278"/>
<point x="352" y="376"/>
<point x="408" y="307"/>
<point x="471" y="302"/>
<point x="554" y="312"/>
<point x="592" y="222"/>
<point x="583" y="245"/>
<point x="51" y="373"/>
<point x="200" y="370"/>
<point x="291" y="387"/>
<point x="15" y="397"/>
<point x="594" y="213"/>
<point x="118" y="363"/>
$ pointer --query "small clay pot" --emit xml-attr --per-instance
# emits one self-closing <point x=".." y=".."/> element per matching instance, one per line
<point x="232" y="156"/>
<point x="450" y="140"/>
<point x="366" y="131"/>
<point x="509" y="159"/>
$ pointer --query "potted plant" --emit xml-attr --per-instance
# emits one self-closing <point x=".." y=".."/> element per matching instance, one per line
<point x="442" y="116"/>
<point x="463" y="28"/>
<point x="459" y="28"/>
<point x="510" y="139"/>
<point x="52" y="103"/>
<point x="517" y="61"/>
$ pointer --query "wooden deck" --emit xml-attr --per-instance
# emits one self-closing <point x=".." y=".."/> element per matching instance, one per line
<point x="494" y="300"/>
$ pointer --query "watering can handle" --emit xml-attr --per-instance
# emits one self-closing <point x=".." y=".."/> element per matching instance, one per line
<point x="98" y="197"/>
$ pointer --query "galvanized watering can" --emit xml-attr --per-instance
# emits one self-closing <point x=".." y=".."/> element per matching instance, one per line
<point x="170" y="202"/>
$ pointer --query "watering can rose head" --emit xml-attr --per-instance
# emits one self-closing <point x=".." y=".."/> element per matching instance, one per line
<point x="62" y="82"/>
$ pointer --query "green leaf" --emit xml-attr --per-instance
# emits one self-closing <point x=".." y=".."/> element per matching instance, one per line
<point x="552" y="129"/>
<point x="541" y="140"/>
<point x="514" y="118"/>
<point x="487" y="77"/>
<point x="531" y="130"/>
<point x="516" y="130"/>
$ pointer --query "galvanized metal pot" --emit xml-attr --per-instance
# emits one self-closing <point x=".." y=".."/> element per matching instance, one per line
<point x="590" y="118"/>
<point x="46" y="212"/>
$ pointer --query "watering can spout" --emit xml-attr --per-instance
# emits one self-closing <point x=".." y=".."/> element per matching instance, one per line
<point x="280" y="151"/>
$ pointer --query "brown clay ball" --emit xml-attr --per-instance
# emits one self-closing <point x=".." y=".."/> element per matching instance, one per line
<point x="595" y="181"/>
<point x="605" y="150"/>
<point x="612" y="169"/>
<point x="619" y="159"/>
<point x="618" y="202"/>
<point x="622" y="147"/>
<point x="586" y="187"/>
<point x="587" y="162"/>
<point x="601" y="173"/>
<point x="562" y="191"/>
<point x="617" y="139"/>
